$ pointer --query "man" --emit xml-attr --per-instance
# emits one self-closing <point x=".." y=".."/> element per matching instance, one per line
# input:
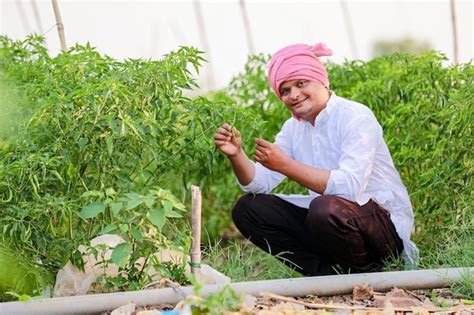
<point x="357" y="213"/>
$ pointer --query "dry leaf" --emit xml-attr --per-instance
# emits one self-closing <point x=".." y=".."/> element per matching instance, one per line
<point x="397" y="298"/>
<point x="362" y="292"/>
<point x="288" y="306"/>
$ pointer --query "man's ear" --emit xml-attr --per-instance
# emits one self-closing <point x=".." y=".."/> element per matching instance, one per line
<point x="329" y="91"/>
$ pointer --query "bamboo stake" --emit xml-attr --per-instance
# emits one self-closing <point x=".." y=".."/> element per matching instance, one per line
<point x="248" y="31"/>
<point x="60" y="25"/>
<point x="455" y="31"/>
<point x="37" y="16"/>
<point x="204" y="42"/>
<point x="196" y="232"/>
<point x="349" y="29"/>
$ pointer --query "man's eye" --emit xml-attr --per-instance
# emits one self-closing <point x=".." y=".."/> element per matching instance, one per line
<point x="284" y="92"/>
<point x="301" y="83"/>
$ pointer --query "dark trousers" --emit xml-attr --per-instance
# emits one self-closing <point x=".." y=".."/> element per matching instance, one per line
<point x="333" y="235"/>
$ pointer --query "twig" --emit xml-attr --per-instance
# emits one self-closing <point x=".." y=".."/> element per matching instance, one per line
<point x="413" y="295"/>
<point x="455" y="32"/>
<point x="316" y="305"/>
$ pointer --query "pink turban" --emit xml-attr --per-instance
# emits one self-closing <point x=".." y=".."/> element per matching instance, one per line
<point x="298" y="61"/>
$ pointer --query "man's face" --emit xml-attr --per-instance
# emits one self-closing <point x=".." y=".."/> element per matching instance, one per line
<point x="304" y="98"/>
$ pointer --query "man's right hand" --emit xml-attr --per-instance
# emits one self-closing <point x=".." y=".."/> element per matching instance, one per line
<point x="228" y="140"/>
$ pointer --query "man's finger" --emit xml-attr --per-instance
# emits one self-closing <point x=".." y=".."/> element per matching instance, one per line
<point x="227" y="127"/>
<point x="221" y="142"/>
<point x="224" y="131"/>
<point x="237" y="132"/>
<point x="219" y="136"/>
<point x="259" y="151"/>
<point x="262" y="142"/>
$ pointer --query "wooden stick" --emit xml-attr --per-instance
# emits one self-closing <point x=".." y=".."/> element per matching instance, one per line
<point x="196" y="232"/>
<point x="455" y="31"/>
<point x="60" y="25"/>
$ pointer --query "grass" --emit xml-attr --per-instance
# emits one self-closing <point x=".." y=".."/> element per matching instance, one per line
<point x="457" y="250"/>
<point x="243" y="261"/>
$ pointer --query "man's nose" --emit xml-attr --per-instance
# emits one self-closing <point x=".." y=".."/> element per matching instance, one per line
<point x="294" y="93"/>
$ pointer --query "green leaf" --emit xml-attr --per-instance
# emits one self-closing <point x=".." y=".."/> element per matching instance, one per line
<point x="149" y="201"/>
<point x="20" y="297"/>
<point x="121" y="253"/>
<point x="137" y="235"/>
<point x="168" y="205"/>
<point x="92" y="210"/>
<point x="133" y="195"/>
<point x="132" y="204"/>
<point x="157" y="217"/>
<point x="123" y="228"/>
<point x="173" y="214"/>
<point x="116" y="207"/>
<point x="82" y="143"/>
<point x="110" y="191"/>
<point x="108" y="228"/>
<point x="110" y="145"/>
<point x="93" y="193"/>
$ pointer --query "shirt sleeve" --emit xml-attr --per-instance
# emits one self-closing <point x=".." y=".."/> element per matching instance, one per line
<point x="360" y="139"/>
<point x="266" y="180"/>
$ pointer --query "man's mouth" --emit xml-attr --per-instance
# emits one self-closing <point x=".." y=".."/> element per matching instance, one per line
<point x="299" y="102"/>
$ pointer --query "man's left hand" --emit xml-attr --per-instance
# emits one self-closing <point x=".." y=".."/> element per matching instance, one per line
<point x="270" y="155"/>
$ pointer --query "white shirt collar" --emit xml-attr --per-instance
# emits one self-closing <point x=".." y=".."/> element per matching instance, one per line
<point x="326" y="112"/>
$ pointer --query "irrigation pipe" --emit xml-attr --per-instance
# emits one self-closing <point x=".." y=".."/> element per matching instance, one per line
<point x="320" y="286"/>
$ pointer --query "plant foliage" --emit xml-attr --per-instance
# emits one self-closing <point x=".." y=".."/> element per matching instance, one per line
<point x="98" y="146"/>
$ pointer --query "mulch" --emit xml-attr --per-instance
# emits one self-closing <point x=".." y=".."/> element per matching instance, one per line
<point x="363" y="300"/>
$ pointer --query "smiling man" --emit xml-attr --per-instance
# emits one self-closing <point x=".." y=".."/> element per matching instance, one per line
<point x="357" y="213"/>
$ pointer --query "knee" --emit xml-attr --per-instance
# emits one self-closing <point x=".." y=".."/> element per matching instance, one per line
<point x="242" y="207"/>
<point x="322" y="208"/>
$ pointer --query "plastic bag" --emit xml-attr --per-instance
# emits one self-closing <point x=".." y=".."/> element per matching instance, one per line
<point x="72" y="281"/>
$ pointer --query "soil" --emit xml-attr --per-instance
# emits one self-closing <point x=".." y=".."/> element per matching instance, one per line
<point x="363" y="301"/>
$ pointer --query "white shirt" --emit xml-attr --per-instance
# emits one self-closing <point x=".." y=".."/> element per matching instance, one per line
<point x="347" y="140"/>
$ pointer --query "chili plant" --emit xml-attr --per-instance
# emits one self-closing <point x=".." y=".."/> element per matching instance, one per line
<point x="140" y="219"/>
<point x="92" y="123"/>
